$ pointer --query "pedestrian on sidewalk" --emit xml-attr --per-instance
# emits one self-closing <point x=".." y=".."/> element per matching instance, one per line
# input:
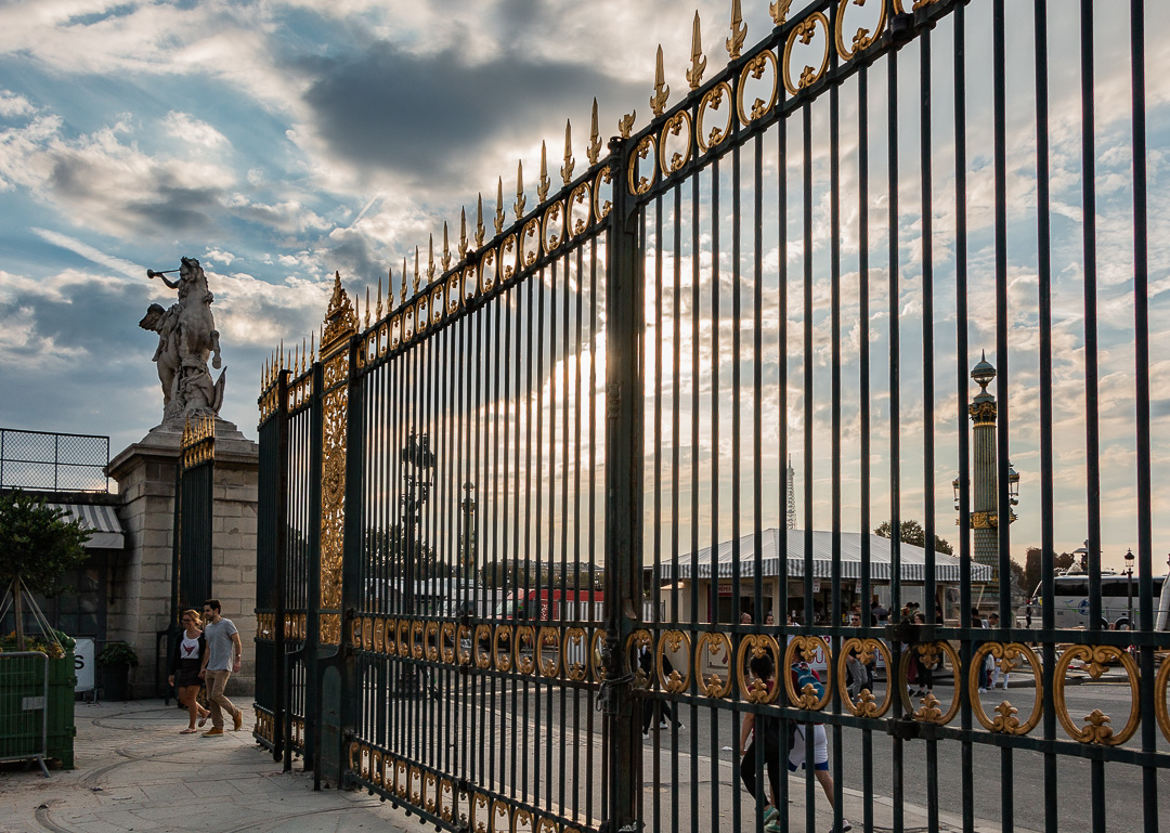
<point x="998" y="675"/>
<point x="802" y="674"/>
<point x="768" y="736"/>
<point x="223" y="657"/>
<point x="185" y="667"/>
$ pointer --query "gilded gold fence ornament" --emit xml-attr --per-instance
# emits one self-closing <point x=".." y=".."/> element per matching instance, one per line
<point x="402" y="298"/>
<point x="502" y="648"/>
<point x="548" y="651"/>
<point x="575" y="645"/>
<point x="715" y="645"/>
<point x="500" y="217"/>
<point x="1099" y="729"/>
<point x="929" y="712"/>
<point x="738" y="32"/>
<point x="446" y="259"/>
<point x="638" y="182"/>
<point x="626" y="124"/>
<point x="866" y="704"/>
<point x="463" y="230"/>
<point x="601" y="209"/>
<point x="752" y="688"/>
<point x="779" y="10"/>
<point x="544" y="183"/>
<point x="807" y="697"/>
<point x="676" y="642"/>
<point x="862" y="38"/>
<point x="594" y="150"/>
<point x="414" y="285"/>
<point x="525" y="649"/>
<point x="430" y="259"/>
<point x="1161" y="712"/>
<point x="805" y="31"/>
<point x="379" y="310"/>
<point x="569" y="162"/>
<point x="698" y="62"/>
<point x="714" y="101"/>
<point x="596" y="660"/>
<point x="1007" y="657"/>
<point x="636" y="642"/>
<point x="521" y="200"/>
<point x="661" y="90"/>
<point x="755" y="69"/>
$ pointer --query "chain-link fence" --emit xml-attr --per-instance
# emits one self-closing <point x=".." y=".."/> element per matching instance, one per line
<point x="47" y="460"/>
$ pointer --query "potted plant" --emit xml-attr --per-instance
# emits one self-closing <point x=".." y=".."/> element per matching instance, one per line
<point x="115" y="662"/>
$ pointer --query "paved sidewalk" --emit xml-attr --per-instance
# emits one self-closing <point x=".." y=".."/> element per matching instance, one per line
<point x="135" y="772"/>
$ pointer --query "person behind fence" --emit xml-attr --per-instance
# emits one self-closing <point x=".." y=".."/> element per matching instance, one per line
<point x="803" y="675"/>
<point x="185" y="667"/>
<point x="766" y="731"/>
<point x="223" y="656"/>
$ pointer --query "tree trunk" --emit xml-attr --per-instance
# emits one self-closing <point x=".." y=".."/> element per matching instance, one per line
<point x="18" y="611"/>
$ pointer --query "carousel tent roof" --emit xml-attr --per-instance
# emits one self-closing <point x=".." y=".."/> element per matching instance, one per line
<point x="912" y="558"/>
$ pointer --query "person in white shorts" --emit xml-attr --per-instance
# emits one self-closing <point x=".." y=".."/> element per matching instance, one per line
<point x="796" y="754"/>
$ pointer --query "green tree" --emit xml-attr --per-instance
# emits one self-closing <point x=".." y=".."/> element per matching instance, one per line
<point x="37" y="547"/>
<point x="913" y="533"/>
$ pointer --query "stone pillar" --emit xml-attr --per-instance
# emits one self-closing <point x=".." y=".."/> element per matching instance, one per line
<point x="984" y="503"/>
<point x="140" y="583"/>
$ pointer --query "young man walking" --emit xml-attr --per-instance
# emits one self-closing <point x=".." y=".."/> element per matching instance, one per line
<point x="222" y="657"/>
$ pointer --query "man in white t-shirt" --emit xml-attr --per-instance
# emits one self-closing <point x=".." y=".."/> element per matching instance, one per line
<point x="223" y="656"/>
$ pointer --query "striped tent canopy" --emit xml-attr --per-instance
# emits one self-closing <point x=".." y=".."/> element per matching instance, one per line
<point x="103" y="520"/>
<point x="913" y="559"/>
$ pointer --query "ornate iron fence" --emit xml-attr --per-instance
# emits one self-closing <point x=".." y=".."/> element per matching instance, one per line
<point x="469" y="494"/>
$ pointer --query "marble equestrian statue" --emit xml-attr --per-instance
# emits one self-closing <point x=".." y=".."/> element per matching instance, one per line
<point x="186" y="338"/>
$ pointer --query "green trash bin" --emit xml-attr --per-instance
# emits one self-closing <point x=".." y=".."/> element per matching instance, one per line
<point x="62" y="729"/>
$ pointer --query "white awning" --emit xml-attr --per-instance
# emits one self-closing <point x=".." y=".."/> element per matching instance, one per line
<point x="947" y="568"/>
<point x="103" y="520"/>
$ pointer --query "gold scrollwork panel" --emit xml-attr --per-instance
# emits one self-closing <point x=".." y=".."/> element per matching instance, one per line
<point x="1099" y="727"/>
<point x="1009" y="657"/>
<point x="808" y="646"/>
<point x="548" y="651"/>
<point x="805" y="31"/>
<point x="674" y="642"/>
<point x="1161" y="712"/>
<point x="866" y="705"/>
<point x="714" y="648"/>
<point x="525" y="649"/>
<point x="637" y="642"/>
<point x="596" y="658"/>
<point x="929" y="711"/>
<point x="753" y="645"/>
<point x="862" y="37"/>
<point x="678" y="125"/>
<point x="755" y="68"/>
<point x="638" y="182"/>
<point x="714" y="100"/>
<point x="576" y="645"/>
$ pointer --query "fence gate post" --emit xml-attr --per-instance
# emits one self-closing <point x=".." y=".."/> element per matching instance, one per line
<point x="623" y="497"/>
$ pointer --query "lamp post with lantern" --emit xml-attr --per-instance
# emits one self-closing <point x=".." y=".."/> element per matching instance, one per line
<point x="1129" y="587"/>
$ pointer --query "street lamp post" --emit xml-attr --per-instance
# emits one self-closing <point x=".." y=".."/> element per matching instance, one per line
<point x="1129" y="587"/>
<point x="418" y="463"/>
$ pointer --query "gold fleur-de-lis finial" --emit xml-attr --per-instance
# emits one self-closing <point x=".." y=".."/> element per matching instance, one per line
<point x="414" y="286"/>
<point x="480" y="231"/>
<point x="594" y="151"/>
<point x="521" y="200"/>
<point x="367" y="306"/>
<point x="462" y="233"/>
<point x="779" y="11"/>
<point x="305" y="353"/>
<point x="544" y="183"/>
<point x="403" y="293"/>
<point x="698" y="62"/>
<point x="446" y="259"/>
<point x="626" y="124"/>
<point x="430" y="258"/>
<point x="738" y="31"/>
<point x="312" y="348"/>
<point x="499" y="218"/>
<point x="296" y="360"/>
<point x="567" y="168"/>
<point x="379" y="311"/>
<point x="661" y="90"/>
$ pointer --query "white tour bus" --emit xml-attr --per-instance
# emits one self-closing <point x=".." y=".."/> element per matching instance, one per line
<point x="1071" y="600"/>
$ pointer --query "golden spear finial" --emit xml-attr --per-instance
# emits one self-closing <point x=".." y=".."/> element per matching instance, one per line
<point x="738" y="31"/>
<point x="626" y="124"/>
<point x="779" y="11"/>
<point x="567" y="168"/>
<point x="313" y="346"/>
<point x="594" y="151"/>
<point x="281" y="354"/>
<point x="403" y="295"/>
<point x="661" y="91"/>
<point x="379" y="312"/>
<point x="544" y="183"/>
<point x="462" y="233"/>
<point x="698" y="62"/>
<point x="304" y="360"/>
<point x="521" y="200"/>
<point x="367" y="305"/>
<point x="414" y="287"/>
<point x="480" y="231"/>
<point x="499" y="219"/>
<point x="430" y="258"/>
<point x="446" y="259"/>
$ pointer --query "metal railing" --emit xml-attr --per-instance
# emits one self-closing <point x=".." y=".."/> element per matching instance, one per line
<point x="24" y="707"/>
<point x="53" y="461"/>
<point x="615" y="380"/>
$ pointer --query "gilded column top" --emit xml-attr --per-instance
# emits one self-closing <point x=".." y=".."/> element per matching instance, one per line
<point x="340" y="319"/>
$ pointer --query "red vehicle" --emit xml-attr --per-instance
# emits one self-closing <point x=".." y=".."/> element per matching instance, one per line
<point x="555" y="604"/>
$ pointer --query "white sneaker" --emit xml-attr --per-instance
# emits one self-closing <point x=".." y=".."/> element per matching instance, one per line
<point x="845" y="825"/>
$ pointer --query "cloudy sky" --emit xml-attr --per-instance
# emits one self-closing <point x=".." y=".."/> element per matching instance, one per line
<point x="280" y="141"/>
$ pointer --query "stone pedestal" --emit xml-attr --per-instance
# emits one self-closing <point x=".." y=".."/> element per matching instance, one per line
<point x="140" y="585"/>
